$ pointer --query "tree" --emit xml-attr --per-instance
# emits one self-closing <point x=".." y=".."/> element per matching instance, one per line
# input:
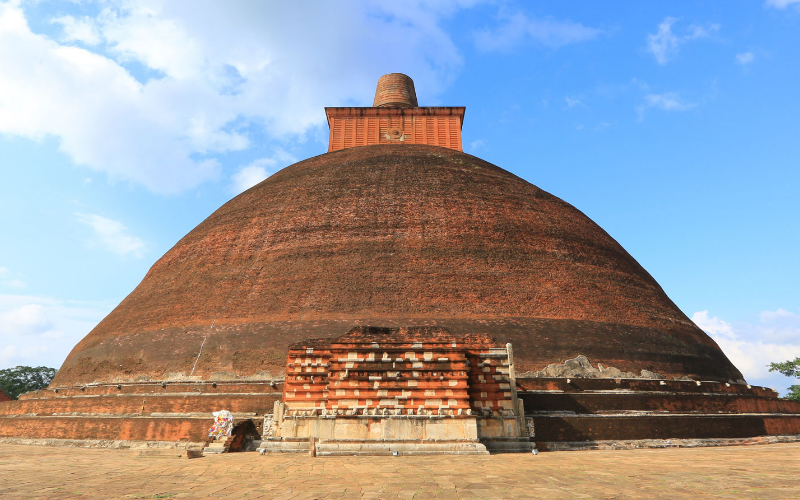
<point x="22" y="379"/>
<point x="790" y="369"/>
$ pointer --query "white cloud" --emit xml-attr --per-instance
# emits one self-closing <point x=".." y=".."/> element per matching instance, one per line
<point x="16" y="283"/>
<point x="751" y="347"/>
<point x="665" y="45"/>
<point x="667" y="101"/>
<point x="780" y="4"/>
<point x="745" y="58"/>
<point x="476" y="145"/>
<point x="215" y="70"/>
<point x="113" y="235"/>
<point x="38" y="331"/>
<point x="25" y="320"/>
<point x="258" y="170"/>
<point x="572" y="102"/>
<point x="78" y="30"/>
<point x="249" y="176"/>
<point x="518" y="28"/>
<point x="104" y="118"/>
<point x="696" y="31"/>
<point x="602" y="126"/>
<point x="6" y="279"/>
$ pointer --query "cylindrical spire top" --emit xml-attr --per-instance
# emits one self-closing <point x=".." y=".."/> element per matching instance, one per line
<point x="395" y="90"/>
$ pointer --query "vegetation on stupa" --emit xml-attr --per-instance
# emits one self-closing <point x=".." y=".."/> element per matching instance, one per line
<point x="22" y="379"/>
<point x="790" y="369"/>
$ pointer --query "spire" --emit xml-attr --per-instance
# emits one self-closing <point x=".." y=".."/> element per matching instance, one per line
<point x="395" y="90"/>
<point x="395" y="118"/>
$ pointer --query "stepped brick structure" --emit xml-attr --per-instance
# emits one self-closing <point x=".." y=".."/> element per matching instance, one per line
<point x="418" y="389"/>
<point x="4" y="396"/>
<point x="395" y="228"/>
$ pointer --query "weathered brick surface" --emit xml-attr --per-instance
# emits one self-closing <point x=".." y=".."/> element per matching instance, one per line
<point x="411" y="371"/>
<point x="4" y="396"/>
<point x="673" y="403"/>
<point x="392" y="236"/>
<point x="140" y="412"/>
<point x="588" y="410"/>
<point x="632" y="384"/>
<point x="395" y="90"/>
<point x="159" y="388"/>
<point x="575" y="428"/>
<point x="143" y="404"/>
<point x="106" y="428"/>
<point x="434" y="126"/>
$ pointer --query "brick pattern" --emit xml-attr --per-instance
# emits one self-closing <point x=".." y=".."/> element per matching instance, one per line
<point x="575" y="413"/>
<point x="352" y="127"/>
<point x="395" y="90"/>
<point x="566" y="428"/>
<point x="174" y="411"/>
<point x="392" y="236"/>
<point x="381" y="371"/>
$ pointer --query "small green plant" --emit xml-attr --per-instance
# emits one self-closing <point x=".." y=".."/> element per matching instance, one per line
<point x="790" y="369"/>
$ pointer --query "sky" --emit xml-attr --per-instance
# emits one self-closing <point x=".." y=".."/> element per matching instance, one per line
<point x="673" y="125"/>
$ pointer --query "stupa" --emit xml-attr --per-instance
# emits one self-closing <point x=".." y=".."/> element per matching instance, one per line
<point x="396" y="228"/>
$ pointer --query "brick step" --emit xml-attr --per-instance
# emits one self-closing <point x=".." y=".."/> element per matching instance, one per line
<point x="108" y="428"/>
<point x="636" y="444"/>
<point x="205" y="387"/>
<point x="599" y="402"/>
<point x="586" y="428"/>
<point x="116" y="404"/>
<point x="641" y="385"/>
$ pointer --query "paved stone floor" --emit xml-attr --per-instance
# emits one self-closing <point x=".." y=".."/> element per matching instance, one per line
<point x="767" y="471"/>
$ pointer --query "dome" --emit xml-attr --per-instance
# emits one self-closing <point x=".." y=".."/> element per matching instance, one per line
<point x="392" y="236"/>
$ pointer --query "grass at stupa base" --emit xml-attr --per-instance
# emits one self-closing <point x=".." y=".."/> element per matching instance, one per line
<point x="763" y="471"/>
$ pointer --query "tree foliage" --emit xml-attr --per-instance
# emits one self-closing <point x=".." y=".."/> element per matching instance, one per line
<point x="790" y="369"/>
<point x="22" y="379"/>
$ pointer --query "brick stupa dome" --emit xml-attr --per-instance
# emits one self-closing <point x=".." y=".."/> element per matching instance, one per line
<point x="392" y="235"/>
<point x="398" y="293"/>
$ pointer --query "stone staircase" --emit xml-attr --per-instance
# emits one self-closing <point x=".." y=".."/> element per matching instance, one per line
<point x="219" y="445"/>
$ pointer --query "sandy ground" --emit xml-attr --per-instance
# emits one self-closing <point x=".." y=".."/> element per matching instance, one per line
<point x="766" y="471"/>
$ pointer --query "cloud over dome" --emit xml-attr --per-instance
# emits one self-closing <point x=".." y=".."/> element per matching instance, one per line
<point x="150" y="92"/>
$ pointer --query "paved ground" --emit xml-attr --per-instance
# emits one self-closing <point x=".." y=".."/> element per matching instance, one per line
<point x="767" y="471"/>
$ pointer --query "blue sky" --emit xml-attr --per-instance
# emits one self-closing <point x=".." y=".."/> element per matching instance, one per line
<point x="672" y="125"/>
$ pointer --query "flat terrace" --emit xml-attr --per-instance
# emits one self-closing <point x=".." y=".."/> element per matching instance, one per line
<point x="764" y="471"/>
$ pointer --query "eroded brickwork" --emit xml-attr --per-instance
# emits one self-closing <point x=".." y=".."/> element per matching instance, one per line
<point x="404" y="371"/>
<point x="416" y="389"/>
